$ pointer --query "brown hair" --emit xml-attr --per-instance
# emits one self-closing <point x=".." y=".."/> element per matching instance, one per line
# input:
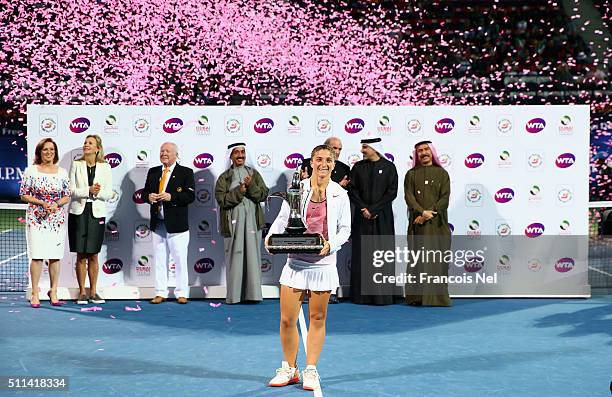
<point x="324" y="147"/>
<point x="39" y="148"/>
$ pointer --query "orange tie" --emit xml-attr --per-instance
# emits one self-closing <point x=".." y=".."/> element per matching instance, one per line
<point x="162" y="181"/>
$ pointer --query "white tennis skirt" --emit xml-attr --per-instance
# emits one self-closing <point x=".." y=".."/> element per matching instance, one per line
<point x="314" y="278"/>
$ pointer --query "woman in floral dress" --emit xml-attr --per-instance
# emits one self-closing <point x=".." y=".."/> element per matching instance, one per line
<point x="45" y="187"/>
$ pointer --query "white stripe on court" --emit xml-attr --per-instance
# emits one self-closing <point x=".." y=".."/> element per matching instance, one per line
<point x="12" y="257"/>
<point x="600" y="271"/>
<point x="304" y="331"/>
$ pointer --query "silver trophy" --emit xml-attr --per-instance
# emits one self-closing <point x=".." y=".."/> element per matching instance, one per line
<point x="294" y="240"/>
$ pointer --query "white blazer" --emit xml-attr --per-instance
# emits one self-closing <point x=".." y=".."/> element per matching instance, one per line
<point x="79" y="188"/>
<point x="338" y="214"/>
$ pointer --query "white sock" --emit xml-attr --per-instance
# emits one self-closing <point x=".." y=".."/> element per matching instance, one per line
<point x="310" y="366"/>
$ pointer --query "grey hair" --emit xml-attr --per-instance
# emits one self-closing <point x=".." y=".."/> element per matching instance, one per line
<point x="174" y="145"/>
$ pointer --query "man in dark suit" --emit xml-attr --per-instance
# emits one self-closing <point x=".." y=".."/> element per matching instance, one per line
<point x="170" y="188"/>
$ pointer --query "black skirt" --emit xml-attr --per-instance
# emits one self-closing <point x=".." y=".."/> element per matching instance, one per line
<point x="85" y="233"/>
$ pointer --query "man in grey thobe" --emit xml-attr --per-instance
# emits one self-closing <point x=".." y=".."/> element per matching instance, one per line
<point x="239" y="192"/>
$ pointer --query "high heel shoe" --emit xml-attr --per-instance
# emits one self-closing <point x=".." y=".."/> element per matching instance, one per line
<point x="56" y="303"/>
<point x="34" y="305"/>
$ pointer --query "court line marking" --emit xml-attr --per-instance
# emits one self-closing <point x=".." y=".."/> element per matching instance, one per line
<point x="13" y="257"/>
<point x="304" y="331"/>
<point x="600" y="271"/>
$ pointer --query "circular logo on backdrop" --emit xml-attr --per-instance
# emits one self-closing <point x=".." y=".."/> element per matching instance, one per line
<point x="203" y="160"/>
<point x="142" y="155"/>
<point x="203" y="120"/>
<point x="293" y="160"/>
<point x="564" y="265"/>
<point x="113" y="159"/>
<point x="79" y="125"/>
<point x="504" y="195"/>
<point x="142" y="231"/>
<point x="324" y="126"/>
<point x="536" y="125"/>
<point x="414" y="126"/>
<point x="110" y="120"/>
<point x="474" y="160"/>
<point x="112" y="266"/>
<point x="232" y="125"/>
<point x="48" y="125"/>
<point x="474" y="195"/>
<point x="565" y="160"/>
<point x="565" y="195"/>
<point x="354" y="126"/>
<point x="534" y="230"/>
<point x="112" y="227"/>
<point x="384" y="121"/>
<point x="445" y="160"/>
<point x="263" y="126"/>
<point x="534" y="265"/>
<point x="141" y="125"/>
<point x="203" y="195"/>
<point x="294" y="121"/>
<point x="535" y="160"/>
<point x="173" y="125"/>
<point x="444" y="126"/>
<point x="504" y="125"/>
<point x="266" y="265"/>
<point x="204" y="265"/>
<point x="504" y="229"/>
<point x="138" y="197"/>
<point x="264" y="160"/>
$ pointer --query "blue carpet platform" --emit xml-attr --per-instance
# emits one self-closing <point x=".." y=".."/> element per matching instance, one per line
<point x="486" y="347"/>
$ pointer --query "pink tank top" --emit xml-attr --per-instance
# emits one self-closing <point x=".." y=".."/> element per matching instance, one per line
<point x="316" y="221"/>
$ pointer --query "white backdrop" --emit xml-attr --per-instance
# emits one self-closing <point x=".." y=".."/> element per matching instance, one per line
<point x="514" y="169"/>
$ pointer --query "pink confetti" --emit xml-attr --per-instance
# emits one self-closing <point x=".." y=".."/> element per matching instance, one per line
<point x="91" y="309"/>
<point x="113" y="317"/>
<point x="205" y="290"/>
<point x="215" y="305"/>
<point x="132" y="309"/>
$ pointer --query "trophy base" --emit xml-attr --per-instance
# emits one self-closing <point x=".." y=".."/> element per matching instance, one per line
<point x="295" y="243"/>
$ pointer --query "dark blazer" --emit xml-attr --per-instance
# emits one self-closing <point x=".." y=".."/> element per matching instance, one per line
<point x="181" y="187"/>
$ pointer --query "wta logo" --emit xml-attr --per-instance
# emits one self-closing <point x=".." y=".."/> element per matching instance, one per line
<point x="203" y="160"/>
<point x="112" y="266"/>
<point x="138" y="197"/>
<point x="204" y="265"/>
<point x="113" y="159"/>
<point x="444" y="126"/>
<point x="353" y="126"/>
<point x="474" y="160"/>
<point x="534" y="230"/>
<point x="173" y="125"/>
<point x="504" y="195"/>
<point x="79" y="125"/>
<point x="534" y="126"/>
<point x="263" y="125"/>
<point x="473" y="264"/>
<point x="293" y="160"/>
<point x="565" y="160"/>
<point x="564" y="265"/>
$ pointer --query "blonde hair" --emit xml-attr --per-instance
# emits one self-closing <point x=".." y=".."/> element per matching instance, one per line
<point x="100" y="153"/>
